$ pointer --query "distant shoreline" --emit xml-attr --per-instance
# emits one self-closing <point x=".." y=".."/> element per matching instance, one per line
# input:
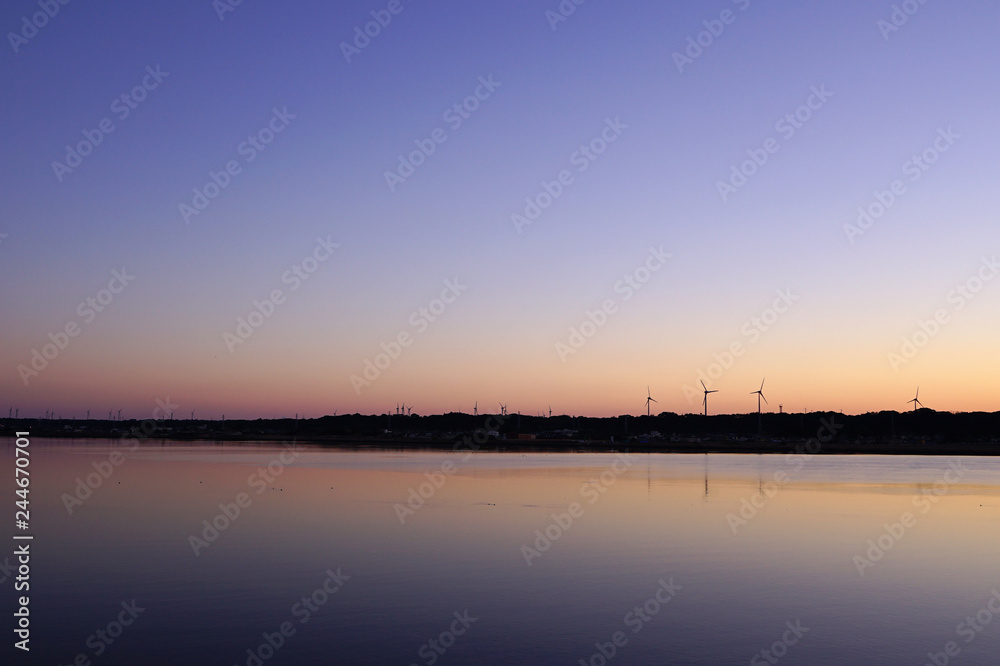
<point x="839" y="447"/>
<point x="921" y="432"/>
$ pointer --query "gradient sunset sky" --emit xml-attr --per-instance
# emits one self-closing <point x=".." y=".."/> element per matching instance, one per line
<point x="881" y="92"/>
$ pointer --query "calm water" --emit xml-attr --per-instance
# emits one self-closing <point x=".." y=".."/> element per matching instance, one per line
<point x="647" y="550"/>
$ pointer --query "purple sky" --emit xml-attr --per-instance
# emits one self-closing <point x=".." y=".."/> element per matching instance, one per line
<point x="745" y="160"/>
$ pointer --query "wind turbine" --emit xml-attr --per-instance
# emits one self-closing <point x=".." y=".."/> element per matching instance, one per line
<point x="475" y="410"/>
<point x="705" y="402"/>
<point x="760" y="394"/>
<point x="409" y="410"/>
<point x="649" y="399"/>
<point x="503" y="409"/>
<point x="916" y="400"/>
<point x="550" y="411"/>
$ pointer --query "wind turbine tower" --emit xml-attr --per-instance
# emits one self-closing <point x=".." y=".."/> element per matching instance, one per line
<point x="705" y="402"/>
<point x="760" y="395"/>
<point x="649" y="399"/>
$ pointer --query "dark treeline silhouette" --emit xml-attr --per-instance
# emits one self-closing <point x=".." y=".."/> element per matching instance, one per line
<point x="921" y="431"/>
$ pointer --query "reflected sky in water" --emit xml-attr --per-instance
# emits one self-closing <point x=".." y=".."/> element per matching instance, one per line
<point x="738" y="548"/>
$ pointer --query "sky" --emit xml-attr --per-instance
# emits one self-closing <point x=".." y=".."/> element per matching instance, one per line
<point x="309" y="208"/>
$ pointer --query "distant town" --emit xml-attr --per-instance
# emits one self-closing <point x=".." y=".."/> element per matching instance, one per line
<point x="923" y="431"/>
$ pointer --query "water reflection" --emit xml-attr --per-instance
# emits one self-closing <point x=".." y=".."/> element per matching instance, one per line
<point x="426" y="554"/>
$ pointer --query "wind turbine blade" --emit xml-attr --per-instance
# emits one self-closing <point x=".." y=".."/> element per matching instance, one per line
<point x="652" y="399"/>
<point x="762" y="383"/>
<point x="762" y="396"/>
<point x="703" y="384"/>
